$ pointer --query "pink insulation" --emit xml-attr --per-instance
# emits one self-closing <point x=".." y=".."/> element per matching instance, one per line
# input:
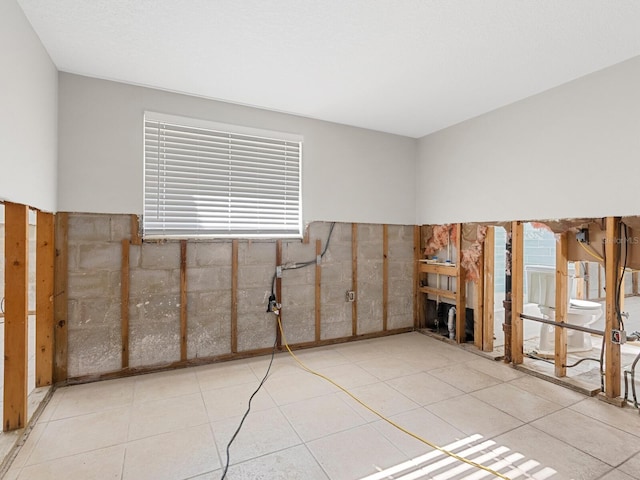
<point x="471" y="256"/>
<point x="440" y="238"/>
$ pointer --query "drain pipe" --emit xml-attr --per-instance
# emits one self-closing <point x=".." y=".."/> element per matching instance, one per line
<point x="451" y="323"/>
<point x="506" y="326"/>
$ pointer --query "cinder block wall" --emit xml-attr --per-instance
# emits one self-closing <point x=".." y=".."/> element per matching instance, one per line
<point x="94" y="328"/>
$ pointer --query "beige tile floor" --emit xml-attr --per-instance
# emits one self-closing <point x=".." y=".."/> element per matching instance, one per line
<point x="175" y="425"/>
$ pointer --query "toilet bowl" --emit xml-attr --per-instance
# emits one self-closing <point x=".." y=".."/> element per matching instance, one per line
<point x="541" y="289"/>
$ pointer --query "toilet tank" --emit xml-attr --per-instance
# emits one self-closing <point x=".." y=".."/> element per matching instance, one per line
<point x="541" y="284"/>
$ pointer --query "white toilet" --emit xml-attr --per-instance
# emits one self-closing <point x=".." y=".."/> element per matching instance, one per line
<point x="541" y="289"/>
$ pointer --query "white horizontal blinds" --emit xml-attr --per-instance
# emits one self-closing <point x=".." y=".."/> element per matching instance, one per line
<point x="206" y="182"/>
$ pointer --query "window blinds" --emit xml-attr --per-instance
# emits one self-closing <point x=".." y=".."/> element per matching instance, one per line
<point x="207" y="182"/>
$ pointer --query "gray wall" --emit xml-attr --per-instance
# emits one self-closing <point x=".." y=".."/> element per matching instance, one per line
<point x="539" y="158"/>
<point x="28" y="114"/>
<point x="348" y="174"/>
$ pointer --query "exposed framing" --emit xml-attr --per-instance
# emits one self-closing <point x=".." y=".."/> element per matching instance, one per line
<point x="385" y="276"/>
<point x="61" y="297"/>
<point x="318" y="292"/>
<point x="612" y="351"/>
<point x="461" y="287"/>
<point x="417" y="253"/>
<point x="16" y="320"/>
<point x="183" y="300"/>
<point x="354" y="278"/>
<point x="562" y="299"/>
<point x="517" y="287"/>
<point x="124" y="302"/>
<point x="45" y="255"/>
<point x="478" y="310"/>
<point x="234" y="296"/>
<point x="279" y="290"/>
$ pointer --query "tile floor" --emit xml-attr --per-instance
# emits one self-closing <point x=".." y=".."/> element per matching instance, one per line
<point x="175" y="425"/>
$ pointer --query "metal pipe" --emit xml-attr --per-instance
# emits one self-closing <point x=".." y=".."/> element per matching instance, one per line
<point x="506" y="326"/>
<point x="633" y="381"/>
<point x="570" y="326"/>
<point x="451" y="324"/>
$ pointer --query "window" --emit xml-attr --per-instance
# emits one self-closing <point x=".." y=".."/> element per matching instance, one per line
<point x="203" y="179"/>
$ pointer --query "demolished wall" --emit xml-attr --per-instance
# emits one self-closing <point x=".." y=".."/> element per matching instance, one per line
<point x="94" y="292"/>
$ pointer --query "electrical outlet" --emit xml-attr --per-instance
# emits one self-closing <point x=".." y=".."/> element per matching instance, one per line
<point x="618" y="337"/>
<point x="583" y="235"/>
<point x="350" y="296"/>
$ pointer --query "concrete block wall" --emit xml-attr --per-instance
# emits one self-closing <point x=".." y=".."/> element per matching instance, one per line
<point x="337" y="278"/>
<point x="400" y="306"/>
<point x="256" y="266"/>
<point x="94" y="334"/>
<point x="370" y="261"/>
<point x="208" y="299"/>
<point x="94" y="328"/>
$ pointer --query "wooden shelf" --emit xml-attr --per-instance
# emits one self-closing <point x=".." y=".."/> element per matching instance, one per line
<point x="439" y="291"/>
<point x="438" y="268"/>
<point x="425" y="268"/>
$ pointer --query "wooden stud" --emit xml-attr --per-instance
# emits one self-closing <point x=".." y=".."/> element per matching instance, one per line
<point x="183" y="299"/>
<point x="136" y="239"/>
<point x="60" y="297"/>
<point x="124" y="302"/>
<point x="579" y="280"/>
<point x="234" y="296"/>
<point x="354" y="278"/>
<point x="517" y="292"/>
<point x="305" y="235"/>
<point x="599" y="281"/>
<point x="16" y="321"/>
<point x="45" y="258"/>
<point x="279" y="290"/>
<point x="417" y="255"/>
<point x="489" y="302"/>
<point x="478" y="311"/>
<point x="562" y="301"/>
<point x="318" y="291"/>
<point x="385" y="276"/>
<point x="461" y="287"/>
<point x="612" y="350"/>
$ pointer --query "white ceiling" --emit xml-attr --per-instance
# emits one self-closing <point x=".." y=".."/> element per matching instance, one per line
<point x="409" y="67"/>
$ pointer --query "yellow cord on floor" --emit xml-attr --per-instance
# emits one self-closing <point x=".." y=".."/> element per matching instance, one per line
<point x="389" y="421"/>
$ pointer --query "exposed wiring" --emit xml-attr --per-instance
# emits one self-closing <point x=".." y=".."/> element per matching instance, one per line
<point x="235" y="434"/>
<point x="619" y="288"/>
<point x="389" y="421"/>
<point x="297" y="265"/>
<point x="273" y="307"/>
<point x="582" y="360"/>
<point x="591" y="252"/>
